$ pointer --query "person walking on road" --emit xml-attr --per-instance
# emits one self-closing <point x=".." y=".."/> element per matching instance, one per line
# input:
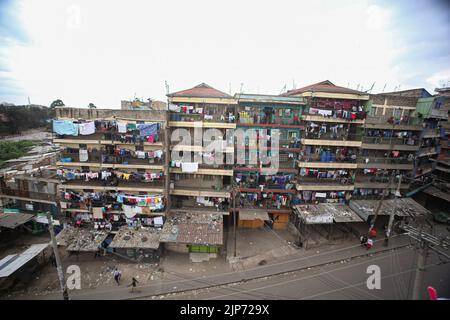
<point x="134" y="282"/>
<point x="117" y="276"/>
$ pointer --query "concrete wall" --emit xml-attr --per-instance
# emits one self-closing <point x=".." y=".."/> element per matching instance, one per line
<point x="390" y="100"/>
<point x="93" y="114"/>
<point x="176" y="247"/>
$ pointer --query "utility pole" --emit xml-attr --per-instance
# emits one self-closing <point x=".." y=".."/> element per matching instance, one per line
<point x="392" y="214"/>
<point x="426" y="241"/>
<point x="377" y="210"/>
<point x="420" y="270"/>
<point x="234" y="219"/>
<point x="62" y="280"/>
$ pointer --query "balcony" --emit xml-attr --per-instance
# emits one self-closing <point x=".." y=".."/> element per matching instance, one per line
<point x="382" y="122"/>
<point x="378" y="182"/>
<point x="314" y="160"/>
<point x="343" y="183"/>
<point x="183" y="190"/>
<point x="429" y="151"/>
<point x="27" y="195"/>
<point x="339" y="138"/>
<point x="385" y="163"/>
<point x="202" y="120"/>
<point x="379" y="143"/>
<point x="99" y="185"/>
<point x="319" y="118"/>
<point x="431" y="133"/>
<point x="205" y="169"/>
<point x="132" y="140"/>
<point x="105" y="160"/>
<point x="248" y="119"/>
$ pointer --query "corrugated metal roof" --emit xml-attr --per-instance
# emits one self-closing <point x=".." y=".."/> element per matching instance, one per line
<point x="13" y="220"/>
<point x="262" y="98"/>
<point x="194" y="228"/>
<point x="249" y="214"/>
<point x="12" y="263"/>
<point x="201" y="91"/>
<point x="402" y="207"/>
<point x="326" y="213"/>
<point x="324" y="86"/>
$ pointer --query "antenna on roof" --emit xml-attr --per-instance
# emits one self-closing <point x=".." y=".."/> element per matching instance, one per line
<point x="384" y="87"/>
<point x="371" y="88"/>
<point x="348" y="85"/>
<point x="242" y="85"/>
<point x="293" y="84"/>
<point x="357" y="87"/>
<point x="283" y="89"/>
<point x="167" y="87"/>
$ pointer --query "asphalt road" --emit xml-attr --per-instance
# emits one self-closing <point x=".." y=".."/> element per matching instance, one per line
<point x="338" y="281"/>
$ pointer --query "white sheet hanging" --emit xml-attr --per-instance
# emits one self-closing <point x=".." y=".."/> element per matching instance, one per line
<point x="86" y="128"/>
<point x="189" y="167"/>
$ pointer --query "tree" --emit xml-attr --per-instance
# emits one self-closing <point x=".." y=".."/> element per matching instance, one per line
<point x="92" y="106"/>
<point x="57" y="103"/>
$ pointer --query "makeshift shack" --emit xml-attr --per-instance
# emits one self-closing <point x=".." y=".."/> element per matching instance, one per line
<point x="324" y="221"/>
<point x="252" y="218"/>
<point x="138" y="244"/>
<point x="403" y="208"/>
<point x="195" y="232"/>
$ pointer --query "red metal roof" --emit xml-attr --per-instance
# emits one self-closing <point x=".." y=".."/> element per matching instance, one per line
<point x="324" y="86"/>
<point x="200" y="91"/>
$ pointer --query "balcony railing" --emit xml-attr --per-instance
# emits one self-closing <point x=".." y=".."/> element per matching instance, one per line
<point x="406" y="121"/>
<point x="215" y="117"/>
<point x="394" y="141"/>
<point x="28" y="194"/>
<point x="340" y="135"/>
<point x="319" y="158"/>
<point x="385" y="160"/>
<point x="106" y="158"/>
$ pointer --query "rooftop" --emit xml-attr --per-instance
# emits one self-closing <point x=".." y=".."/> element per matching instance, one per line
<point x="262" y="98"/>
<point x="193" y="228"/>
<point x="326" y="213"/>
<point x="200" y="91"/>
<point x="14" y="220"/>
<point x="129" y="238"/>
<point x="81" y="239"/>
<point x="402" y="207"/>
<point x="324" y="86"/>
<point x="13" y="262"/>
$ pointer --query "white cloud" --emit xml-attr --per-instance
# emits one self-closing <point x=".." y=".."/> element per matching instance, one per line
<point x="440" y="79"/>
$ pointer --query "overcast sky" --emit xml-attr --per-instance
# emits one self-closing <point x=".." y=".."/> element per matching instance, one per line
<point x="105" y="51"/>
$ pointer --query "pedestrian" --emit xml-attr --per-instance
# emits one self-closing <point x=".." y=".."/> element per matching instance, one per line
<point x="117" y="276"/>
<point x="373" y="232"/>
<point x="369" y="243"/>
<point x="363" y="240"/>
<point x="134" y="282"/>
<point x="53" y="260"/>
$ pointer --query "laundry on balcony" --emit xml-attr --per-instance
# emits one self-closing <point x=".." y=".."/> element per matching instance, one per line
<point x="65" y="127"/>
<point x="86" y="128"/>
<point x="121" y="127"/>
<point x="84" y="156"/>
<point x="189" y="167"/>
<point x="148" y="129"/>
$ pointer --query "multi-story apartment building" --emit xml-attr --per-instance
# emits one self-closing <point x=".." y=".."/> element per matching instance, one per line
<point x="266" y="191"/>
<point x="114" y="173"/>
<point x="200" y="175"/>
<point x="390" y="141"/>
<point x="333" y="121"/>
